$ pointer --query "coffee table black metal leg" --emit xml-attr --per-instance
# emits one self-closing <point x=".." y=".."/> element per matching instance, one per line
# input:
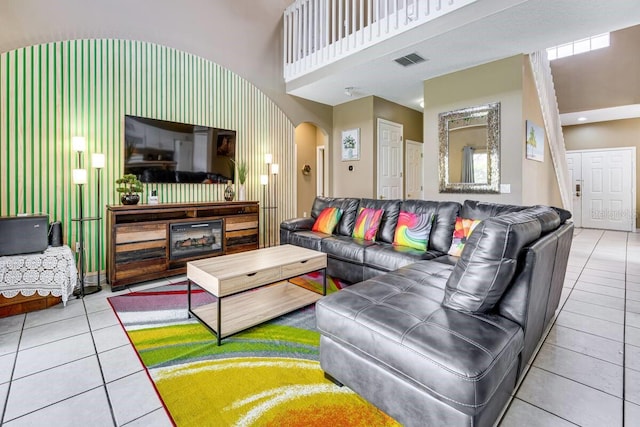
<point x="189" y="298"/>
<point x="324" y="282"/>
<point x="219" y="332"/>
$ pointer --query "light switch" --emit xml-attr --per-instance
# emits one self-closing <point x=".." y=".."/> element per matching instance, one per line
<point x="505" y="188"/>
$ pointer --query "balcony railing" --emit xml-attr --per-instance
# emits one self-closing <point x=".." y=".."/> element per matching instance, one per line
<point x="319" y="32"/>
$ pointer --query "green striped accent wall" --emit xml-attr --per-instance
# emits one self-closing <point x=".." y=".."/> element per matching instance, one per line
<point x="52" y="92"/>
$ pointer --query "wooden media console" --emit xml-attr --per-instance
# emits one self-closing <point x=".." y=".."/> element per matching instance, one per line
<point x="146" y="242"/>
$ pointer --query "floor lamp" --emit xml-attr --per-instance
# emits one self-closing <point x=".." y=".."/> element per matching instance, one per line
<point x="275" y="169"/>
<point x="80" y="179"/>
<point x="97" y="162"/>
<point x="264" y="180"/>
<point x="268" y="158"/>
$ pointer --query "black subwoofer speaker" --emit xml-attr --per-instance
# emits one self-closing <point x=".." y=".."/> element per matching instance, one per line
<point x="23" y="234"/>
<point x="55" y="234"/>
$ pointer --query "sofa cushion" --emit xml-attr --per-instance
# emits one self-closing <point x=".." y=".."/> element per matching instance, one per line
<point x="461" y="232"/>
<point x="413" y="230"/>
<point x="444" y="217"/>
<point x="488" y="261"/>
<point x="308" y="239"/>
<point x="346" y="248"/>
<point x="549" y="218"/>
<point x="327" y="220"/>
<point x="390" y="212"/>
<point x="386" y="257"/>
<point x="397" y="320"/>
<point x="482" y="210"/>
<point x="297" y="224"/>
<point x="349" y="209"/>
<point x="563" y="213"/>
<point x="367" y="224"/>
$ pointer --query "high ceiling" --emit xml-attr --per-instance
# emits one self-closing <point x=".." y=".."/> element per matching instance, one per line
<point x="481" y="32"/>
<point x="246" y="37"/>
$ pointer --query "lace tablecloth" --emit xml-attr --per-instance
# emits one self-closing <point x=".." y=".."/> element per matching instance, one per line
<point x="51" y="272"/>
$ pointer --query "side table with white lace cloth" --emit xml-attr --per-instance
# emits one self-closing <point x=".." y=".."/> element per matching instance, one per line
<point x="52" y="272"/>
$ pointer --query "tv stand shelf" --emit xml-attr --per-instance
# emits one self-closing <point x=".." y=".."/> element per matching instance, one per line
<point x="139" y="240"/>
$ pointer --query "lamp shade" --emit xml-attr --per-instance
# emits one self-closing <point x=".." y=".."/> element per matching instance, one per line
<point x="97" y="160"/>
<point x="79" y="176"/>
<point x="275" y="168"/>
<point x="268" y="158"/>
<point x="78" y="143"/>
<point x="264" y="179"/>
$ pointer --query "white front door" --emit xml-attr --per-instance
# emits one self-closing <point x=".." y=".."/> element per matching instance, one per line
<point x="390" y="184"/>
<point x="413" y="174"/>
<point x="574" y="162"/>
<point x="608" y="196"/>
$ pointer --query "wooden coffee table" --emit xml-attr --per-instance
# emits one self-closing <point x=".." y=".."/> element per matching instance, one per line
<point x="252" y="287"/>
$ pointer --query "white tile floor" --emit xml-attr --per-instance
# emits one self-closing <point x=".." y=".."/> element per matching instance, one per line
<point x="74" y="366"/>
<point x="587" y="372"/>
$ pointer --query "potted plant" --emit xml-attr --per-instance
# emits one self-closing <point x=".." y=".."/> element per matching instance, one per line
<point x="242" y="178"/>
<point x="129" y="187"/>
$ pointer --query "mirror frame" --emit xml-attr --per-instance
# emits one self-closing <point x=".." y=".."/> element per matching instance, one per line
<point x="492" y="113"/>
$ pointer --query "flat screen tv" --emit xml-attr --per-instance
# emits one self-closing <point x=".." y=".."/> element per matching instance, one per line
<point x="159" y="151"/>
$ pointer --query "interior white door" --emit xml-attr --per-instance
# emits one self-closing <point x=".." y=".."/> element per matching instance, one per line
<point x="608" y="196"/>
<point x="413" y="175"/>
<point x="184" y="156"/>
<point x="390" y="153"/>
<point x="320" y="171"/>
<point x="574" y="163"/>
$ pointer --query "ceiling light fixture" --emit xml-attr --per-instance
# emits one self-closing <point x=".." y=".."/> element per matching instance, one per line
<point x="422" y="103"/>
<point x="582" y="119"/>
<point x="348" y="91"/>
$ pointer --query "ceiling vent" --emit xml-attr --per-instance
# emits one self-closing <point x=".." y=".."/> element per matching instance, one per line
<point x="412" y="58"/>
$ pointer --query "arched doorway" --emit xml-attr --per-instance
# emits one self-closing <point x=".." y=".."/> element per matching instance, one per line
<point x="312" y="166"/>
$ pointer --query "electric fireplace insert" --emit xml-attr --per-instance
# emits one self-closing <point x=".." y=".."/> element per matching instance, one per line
<point x="195" y="239"/>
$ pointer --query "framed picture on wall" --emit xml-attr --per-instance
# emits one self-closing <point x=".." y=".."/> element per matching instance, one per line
<point x="350" y="145"/>
<point x="535" y="141"/>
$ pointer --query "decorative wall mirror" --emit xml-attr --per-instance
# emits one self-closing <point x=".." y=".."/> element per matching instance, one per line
<point x="470" y="150"/>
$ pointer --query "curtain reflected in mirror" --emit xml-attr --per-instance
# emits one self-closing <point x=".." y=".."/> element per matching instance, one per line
<point x="470" y="149"/>
<point x="467" y="164"/>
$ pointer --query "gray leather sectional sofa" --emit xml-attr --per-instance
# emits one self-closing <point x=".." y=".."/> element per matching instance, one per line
<point x="429" y="338"/>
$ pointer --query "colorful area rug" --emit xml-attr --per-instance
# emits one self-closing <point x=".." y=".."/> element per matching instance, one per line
<point x="265" y="376"/>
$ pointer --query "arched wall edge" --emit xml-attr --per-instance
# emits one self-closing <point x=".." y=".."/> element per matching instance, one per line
<point x="54" y="91"/>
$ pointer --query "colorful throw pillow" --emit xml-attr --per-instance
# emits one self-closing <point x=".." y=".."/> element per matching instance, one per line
<point x="461" y="233"/>
<point x="367" y="224"/>
<point x="327" y="220"/>
<point x="413" y="230"/>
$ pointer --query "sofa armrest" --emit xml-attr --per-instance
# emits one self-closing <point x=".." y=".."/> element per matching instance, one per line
<point x="297" y="224"/>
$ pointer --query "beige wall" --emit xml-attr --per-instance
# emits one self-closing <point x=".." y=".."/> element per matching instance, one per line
<point x="306" y="141"/>
<point x="602" y="78"/>
<point x="359" y="182"/>
<point x="540" y="184"/>
<point x="244" y="36"/>
<point x="410" y="119"/>
<point x="613" y="134"/>
<point x="364" y="114"/>
<point x="499" y="81"/>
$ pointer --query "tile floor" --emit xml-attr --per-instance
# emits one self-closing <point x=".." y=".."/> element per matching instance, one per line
<point x="74" y="366"/>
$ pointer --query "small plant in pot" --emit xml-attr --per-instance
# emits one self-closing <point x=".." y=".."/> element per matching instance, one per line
<point x="241" y="166"/>
<point x="129" y="187"/>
